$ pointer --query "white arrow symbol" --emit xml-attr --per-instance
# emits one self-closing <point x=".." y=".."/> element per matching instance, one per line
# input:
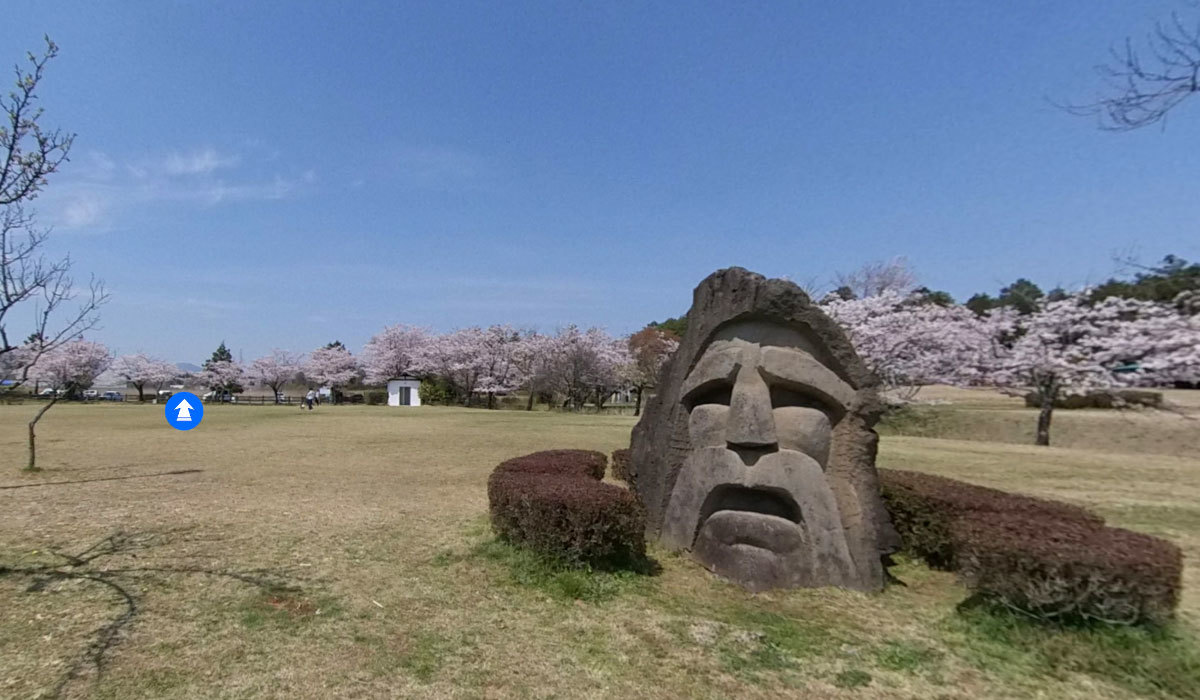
<point x="184" y="409"/>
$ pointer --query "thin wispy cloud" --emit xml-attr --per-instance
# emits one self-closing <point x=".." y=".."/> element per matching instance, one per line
<point x="100" y="188"/>
<point x="84" y="209"/>
<point x="222" y="192"/>
<point x="100" y="165"/>
<point x="198" y="162"/>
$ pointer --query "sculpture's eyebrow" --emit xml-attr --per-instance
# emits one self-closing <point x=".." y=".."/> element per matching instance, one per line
<point x="721" y="365"/>
<point x="792" y="367"/>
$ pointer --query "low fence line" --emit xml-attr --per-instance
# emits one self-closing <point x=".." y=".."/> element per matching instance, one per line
<point x="126" y="398"/>
<point x="244" y="400"/>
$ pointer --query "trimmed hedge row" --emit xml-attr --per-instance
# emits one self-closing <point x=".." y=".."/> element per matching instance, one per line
<point x="620" y="465"/>
<point x="554" y="502"/>
<point x="587" y="463"/>
<point x="924" y="506"/>
<point x="1049" y="559"/>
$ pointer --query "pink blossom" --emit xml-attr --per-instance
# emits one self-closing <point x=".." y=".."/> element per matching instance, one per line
<point x="908" y="343"/>
<point x="223" y="375"/>
<point x="332" y="367"/>
<point x="394" y="352"/>
<point x="276" y="369"/>
<point x="72" y="365"/>
<point x="140" y="370"/>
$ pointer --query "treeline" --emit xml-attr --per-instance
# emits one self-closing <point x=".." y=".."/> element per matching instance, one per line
<point x="1173" y="280"/>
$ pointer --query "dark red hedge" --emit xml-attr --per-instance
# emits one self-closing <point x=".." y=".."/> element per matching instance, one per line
<point x="1069" y="570"/>
<point x="923" y="506"/>
<point x="1049" y="559"/>
<point x="620" y="465"/>
<point x="555" y="503"/>
<point x="587" y="463"/>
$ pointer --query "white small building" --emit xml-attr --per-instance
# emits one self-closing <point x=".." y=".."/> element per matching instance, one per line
<point x="403" y="391"/>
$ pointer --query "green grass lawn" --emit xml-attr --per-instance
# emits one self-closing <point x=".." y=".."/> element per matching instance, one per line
<point x="346" y="552"/>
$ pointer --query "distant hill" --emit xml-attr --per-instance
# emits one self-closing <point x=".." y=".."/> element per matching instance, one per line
<point x="188" y="367"/>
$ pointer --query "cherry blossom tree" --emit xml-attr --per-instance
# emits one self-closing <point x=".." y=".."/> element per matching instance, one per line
<point x="275" y="370"/>
<point x="458" y="358"/>
<point x="332" y="366"/>
<point x="16" y="365"/>
<point x="533" y="361"/>
<point x="394" y="352"/>
<point x="499" y="366"/>
<point x="586" y="364"/>
<point x="1076" y="345"/>
<point x="649" y="349"/>
<point x="67" y="368"/>
<point x="910" y="343"/>
<point x="222" y="376"/>
<point x="500" y="359"/>
<point x="141" y="369"/>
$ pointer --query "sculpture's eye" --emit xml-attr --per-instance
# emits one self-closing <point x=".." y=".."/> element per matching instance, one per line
<point x="715" y="393"/>
<point x="784" y="396"/>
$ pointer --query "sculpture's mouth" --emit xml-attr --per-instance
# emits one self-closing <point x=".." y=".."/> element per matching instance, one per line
<point x="750" y="535"/>
<point x="738" y="516"/>
<point x="746" y="499"/>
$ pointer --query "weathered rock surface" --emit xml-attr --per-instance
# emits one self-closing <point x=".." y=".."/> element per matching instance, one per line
<point x="758" y="452"/>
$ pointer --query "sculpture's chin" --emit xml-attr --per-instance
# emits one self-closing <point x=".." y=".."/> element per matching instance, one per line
<point x="749" y="548"/>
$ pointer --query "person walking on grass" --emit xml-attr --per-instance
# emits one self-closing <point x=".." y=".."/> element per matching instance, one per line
<point x="309" y="398"/>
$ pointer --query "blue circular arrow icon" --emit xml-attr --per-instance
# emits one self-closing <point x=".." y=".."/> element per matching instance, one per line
<point x="184" y="411"/>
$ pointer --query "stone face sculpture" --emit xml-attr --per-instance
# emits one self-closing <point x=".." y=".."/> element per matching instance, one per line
<point x="758" y="452"/>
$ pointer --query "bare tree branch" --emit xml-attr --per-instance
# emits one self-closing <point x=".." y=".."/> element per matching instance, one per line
<point x="875" y="278"/>
<point x="1140" y="93"/>
<point x="29" y="281"/>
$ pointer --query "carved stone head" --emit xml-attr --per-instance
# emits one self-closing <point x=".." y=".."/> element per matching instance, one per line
<point x="757" y="453"/>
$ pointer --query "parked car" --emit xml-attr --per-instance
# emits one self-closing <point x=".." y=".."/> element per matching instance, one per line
<point x="163" y="395"/>
<point x="90" y="395"/>
<point x="223" y="397"/>
<point x="113" y="396"/>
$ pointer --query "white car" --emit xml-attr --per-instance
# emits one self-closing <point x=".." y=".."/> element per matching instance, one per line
<point x="91" y="394"/>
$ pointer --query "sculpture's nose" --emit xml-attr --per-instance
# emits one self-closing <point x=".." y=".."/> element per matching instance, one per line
<point x="751" y="428"/>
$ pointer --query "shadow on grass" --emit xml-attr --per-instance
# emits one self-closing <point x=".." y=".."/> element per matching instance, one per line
<point x="102" y="478"/>
<point x="1156" y="661"/>
<point x="98" y="565"/>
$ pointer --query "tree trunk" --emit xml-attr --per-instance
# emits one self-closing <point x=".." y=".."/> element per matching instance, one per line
<point x="637" y="406"/>
<point x="529" y="406"/>
<point x="141" y="398"/>
<point x="1044" y="416"/>
<point x="491" y="400"/>
<point x="32" y="465"/>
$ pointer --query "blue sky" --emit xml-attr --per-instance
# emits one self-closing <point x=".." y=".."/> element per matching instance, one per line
<point x="282" y="174"/>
